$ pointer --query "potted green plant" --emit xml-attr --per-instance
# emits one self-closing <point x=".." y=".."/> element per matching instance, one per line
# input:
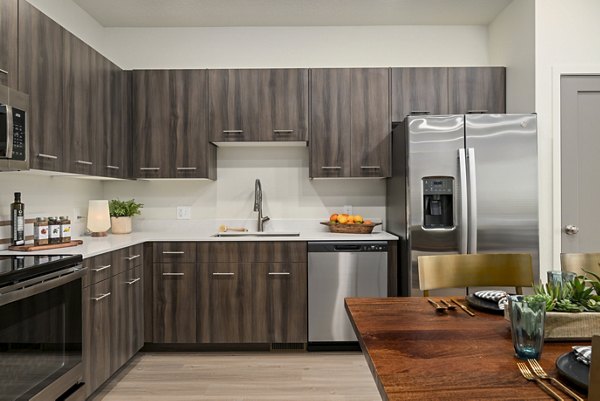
<point x="121" y="213"/>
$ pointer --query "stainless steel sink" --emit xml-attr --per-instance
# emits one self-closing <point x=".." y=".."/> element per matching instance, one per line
<point x="258" y="234"/>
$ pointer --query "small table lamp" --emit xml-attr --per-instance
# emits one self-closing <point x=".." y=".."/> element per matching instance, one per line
<point x="98" y="218"/>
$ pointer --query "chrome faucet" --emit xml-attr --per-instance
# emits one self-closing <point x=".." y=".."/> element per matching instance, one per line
<point x="258" y="205"/>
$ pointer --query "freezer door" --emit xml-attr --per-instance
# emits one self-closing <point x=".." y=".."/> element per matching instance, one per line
<point x="502" y="154"/>
<point x="435" y="152"/>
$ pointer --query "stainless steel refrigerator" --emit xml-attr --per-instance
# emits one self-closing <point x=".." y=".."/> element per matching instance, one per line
<point x="463" y="184"/>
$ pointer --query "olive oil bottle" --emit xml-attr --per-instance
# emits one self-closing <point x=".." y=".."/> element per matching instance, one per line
<point x="17" y="215"/>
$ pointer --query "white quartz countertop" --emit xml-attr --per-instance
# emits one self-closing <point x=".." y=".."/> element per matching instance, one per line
<point x="93" y="246"/>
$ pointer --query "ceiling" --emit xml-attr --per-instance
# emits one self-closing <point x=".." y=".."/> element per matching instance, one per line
<point x="203" y="13"/>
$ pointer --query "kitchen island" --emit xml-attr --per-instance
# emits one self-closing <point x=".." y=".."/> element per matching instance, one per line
<point x="416" y="354"/>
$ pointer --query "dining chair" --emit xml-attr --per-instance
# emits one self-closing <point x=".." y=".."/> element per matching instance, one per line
<point x="577" y="262"/>
<point x="594" y="382"/>
<point x="475" y="270"/>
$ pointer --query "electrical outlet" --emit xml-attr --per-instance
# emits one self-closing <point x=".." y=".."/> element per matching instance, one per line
<point x="184" y="212"/>
<point x="348" y="209"/>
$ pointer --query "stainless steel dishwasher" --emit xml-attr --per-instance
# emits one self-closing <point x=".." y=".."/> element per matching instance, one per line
<point x="337" y="270"/>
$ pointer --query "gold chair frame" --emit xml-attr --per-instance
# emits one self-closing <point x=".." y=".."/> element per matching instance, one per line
<point x="576" y="262"/>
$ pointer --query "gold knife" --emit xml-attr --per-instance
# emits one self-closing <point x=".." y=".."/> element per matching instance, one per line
<point x="463" y="307"/>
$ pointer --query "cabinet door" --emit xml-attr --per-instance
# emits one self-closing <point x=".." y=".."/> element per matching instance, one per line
<point x="231" y="304"/>
<point x="233" y="105"/>
<point x="188" y="103"/>
<point x="135" y="302"/>
<point x="283" y="105"/>
<point x="330" y="123"/>
<point x="287" y="306"/>
<point x="41" y="64"/>
<point x="370" y="122"/>
<point x="477" y="89"/>
<point x="153" y="144"/>
<point x="97" y="333"/>
<point x="78" y="105"/>
<point x="419" y="90"/>
<point x="9" y="43"/>
<point x="174" y="303"/>
<point x="117" y="141"/>
<point x="120" y="322"/>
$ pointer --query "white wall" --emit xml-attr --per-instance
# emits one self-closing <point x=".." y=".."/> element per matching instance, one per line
<point x="567" y="38"/>
<point x="288" y="193"/>
<point x="512" y="44"/>
<point x="248" y="47"/>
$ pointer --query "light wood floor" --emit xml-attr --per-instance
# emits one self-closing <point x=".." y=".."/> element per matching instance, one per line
<point x="248" y="376"/>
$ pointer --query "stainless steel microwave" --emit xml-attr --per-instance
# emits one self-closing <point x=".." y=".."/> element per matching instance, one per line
<point x="14" y="133"/>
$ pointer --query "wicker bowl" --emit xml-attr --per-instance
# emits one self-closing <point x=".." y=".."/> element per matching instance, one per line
<point x="350" y="228"/>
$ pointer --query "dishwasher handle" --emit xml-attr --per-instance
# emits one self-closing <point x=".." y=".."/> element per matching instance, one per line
<point x="342" y="248"/>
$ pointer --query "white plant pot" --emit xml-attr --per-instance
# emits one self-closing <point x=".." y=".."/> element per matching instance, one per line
<point x="121" y="225"/>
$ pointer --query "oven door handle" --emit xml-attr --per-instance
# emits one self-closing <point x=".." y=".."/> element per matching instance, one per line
<point x="41" y="284"/>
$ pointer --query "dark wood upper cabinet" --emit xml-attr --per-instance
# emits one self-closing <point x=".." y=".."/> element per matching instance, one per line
<point x="350" y="123"/>
<point x="283" y="105"/>
<point x="41" y="74"/>
<point x="233" y="105"/>
<point x="79" y="105"/>
<point x="9" y="43"/>
<point x="117" y="141"/>
<point x="258" y="105"/>
<point x="170" y="125"/>
<point x="419" y="90"/>
<point x="370" y="122"/>
<point x="477" y="89"/>
<point x="330" y="122"/>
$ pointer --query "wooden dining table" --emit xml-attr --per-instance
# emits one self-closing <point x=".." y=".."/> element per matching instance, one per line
<point x="415" y="353"/>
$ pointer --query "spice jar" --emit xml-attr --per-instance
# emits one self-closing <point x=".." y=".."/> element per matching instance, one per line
<point x="40" y="231"/>
<point x="54" y="228"/>
<point x="65" y="229"/>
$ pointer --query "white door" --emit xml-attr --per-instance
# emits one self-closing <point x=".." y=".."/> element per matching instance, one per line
<point x="580" y="163"/>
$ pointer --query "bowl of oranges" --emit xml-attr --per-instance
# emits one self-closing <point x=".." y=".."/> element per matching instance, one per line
<point x="349" y="224"/>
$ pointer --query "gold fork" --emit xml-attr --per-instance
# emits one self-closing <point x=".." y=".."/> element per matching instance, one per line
<point x="529" y="376"/>
<point x="541" y="373"/>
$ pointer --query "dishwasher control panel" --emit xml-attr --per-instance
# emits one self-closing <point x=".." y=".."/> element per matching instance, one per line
<point x="348" y="246"/>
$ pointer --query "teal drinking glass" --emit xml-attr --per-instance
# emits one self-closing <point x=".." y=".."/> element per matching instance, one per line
<point x="557" y="277"/>
<point x="527" y="326"/>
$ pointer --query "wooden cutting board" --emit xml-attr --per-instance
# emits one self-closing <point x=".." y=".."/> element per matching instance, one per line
<point x="31" y="248"/>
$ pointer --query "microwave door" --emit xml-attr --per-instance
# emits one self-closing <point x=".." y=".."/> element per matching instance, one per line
<point x="4" y="141"/>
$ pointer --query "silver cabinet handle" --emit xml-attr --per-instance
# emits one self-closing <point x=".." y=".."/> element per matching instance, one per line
<point x="173" y="252"/>
<point x="84" y="162"/>
<point x="46" y="156"/>
<point x="476" y="111"/>
<point x="283" y="131"/>
<point x="4" y="72"/>
<point x="331" y="168"/>
<point x="101" y="297"/>
<point x="412" y="112"/>
<point x="149" y="168"/>
<point x="570" y="229"/>
<point x="173" y="274"/>
<point x="370" y="167"/>
<point x="135" y="280"/>
<point x="233" y="131"/>
<point x="113" y="167"/>
<point x="186" y="168"/>
<point x="223" y="274"/>
<point x="101" y="268"/>
<point x="133" y="257"/>
<point x="279" y="273"/>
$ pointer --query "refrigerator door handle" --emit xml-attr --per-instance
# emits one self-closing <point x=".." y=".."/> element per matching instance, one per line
<point x="462" y="169"/>
<point x="472" y="202"/>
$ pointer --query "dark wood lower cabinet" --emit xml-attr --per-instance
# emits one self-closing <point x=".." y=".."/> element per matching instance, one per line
<point x="174" y="317"/>
<point x="98" y="300"/>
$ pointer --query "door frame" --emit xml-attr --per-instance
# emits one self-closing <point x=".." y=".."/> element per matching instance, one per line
<point x="557" y="73"/>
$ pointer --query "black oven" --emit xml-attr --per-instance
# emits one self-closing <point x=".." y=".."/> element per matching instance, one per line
<point x="13" y="130"/>
<point x="40" y="327"/>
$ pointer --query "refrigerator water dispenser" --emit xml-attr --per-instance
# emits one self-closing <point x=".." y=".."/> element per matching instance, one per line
<point x="438" y="199"/>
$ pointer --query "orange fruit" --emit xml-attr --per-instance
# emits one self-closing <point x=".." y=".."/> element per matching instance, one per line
<point x="342" y="219"/>
<point x="350" y="220"/>
<point x="368" y="222"/>
<point x="333" y="217"/>
<point x="358" y="219"/>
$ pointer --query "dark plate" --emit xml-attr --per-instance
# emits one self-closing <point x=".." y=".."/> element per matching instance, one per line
<point x="574" y="371"/>
<point x="482" y="304"/>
